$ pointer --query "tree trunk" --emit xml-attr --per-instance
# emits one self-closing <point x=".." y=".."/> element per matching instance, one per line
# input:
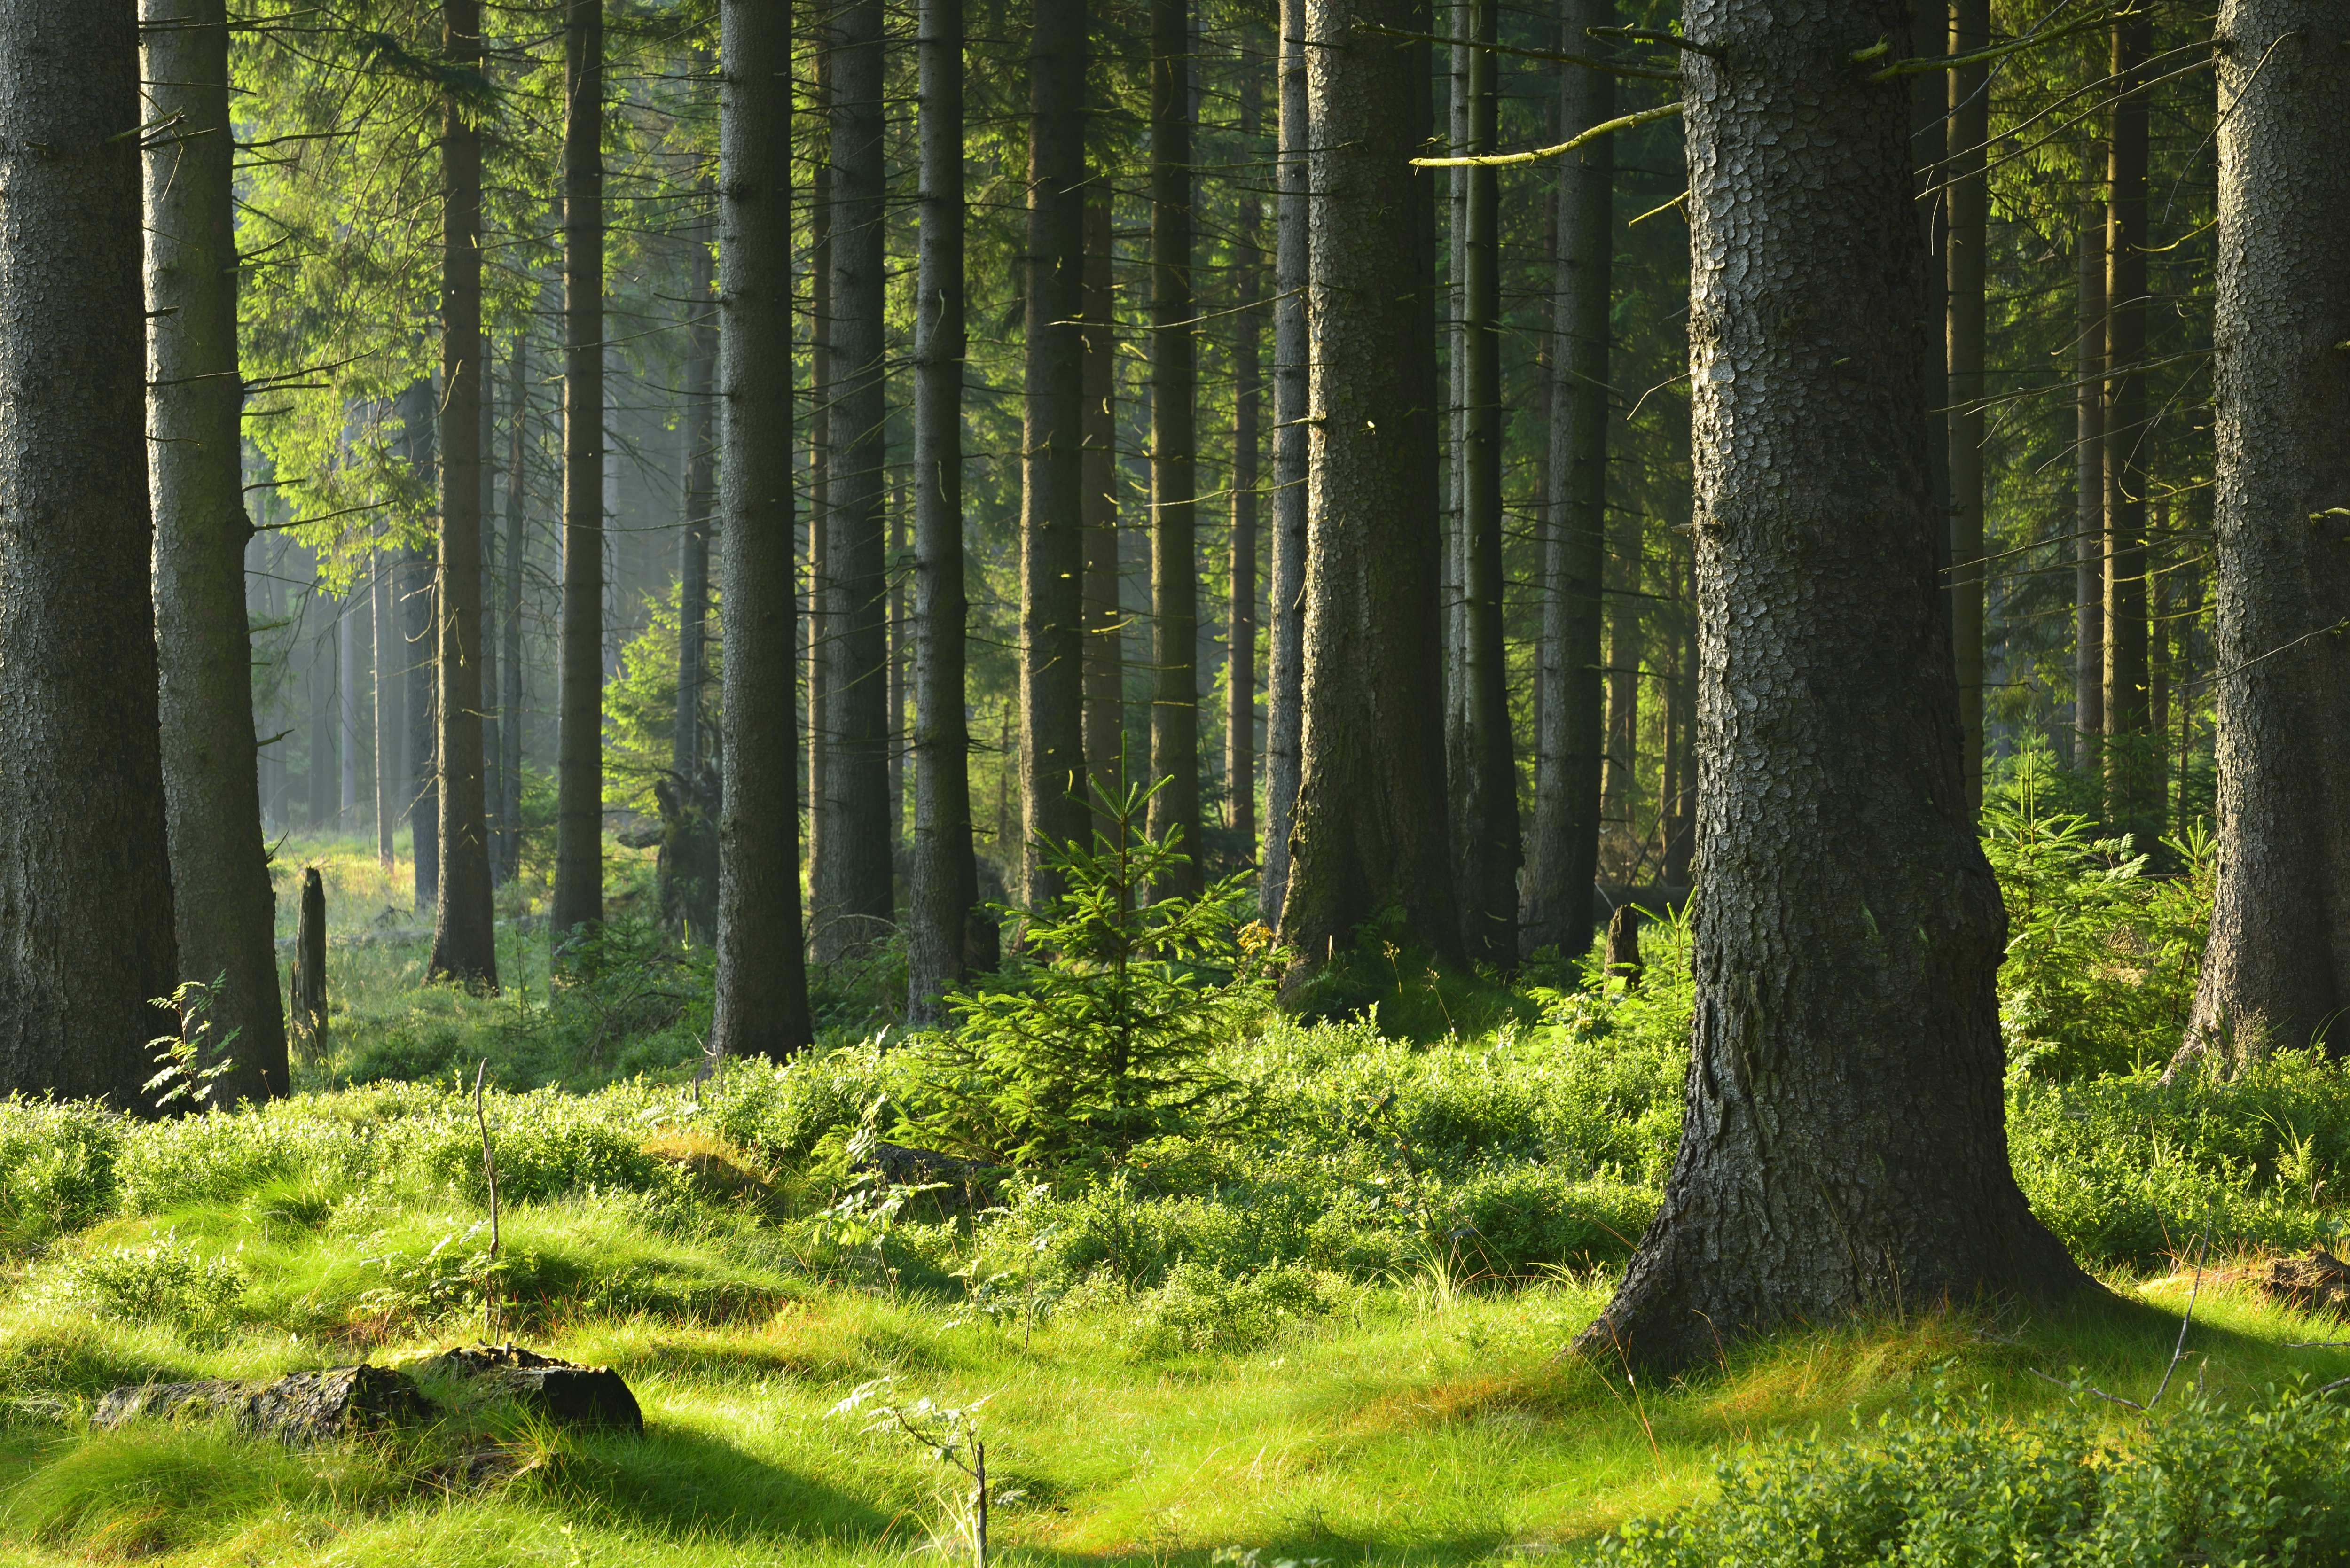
<point x="1573" y="741"/>
<point x="86" y="871"/>
<point x="421" y="775"/>
<point x="1619" y="805"/>
<point x="309" y="976"/>
<point x="1844" y="1142"/>
<point x="493" y="645"/>
<point x="321" y="676"/>
<point x="1104" y="615"/>
<point x="1174" y="453"/>
<point x="940" y="913"/>
<point x="510" y="733"/>
<point x="1680" y="844"/>
<point x="227" y="911"/>
<point x="579" y="897"/>
<point x="2132" y="800"/>
<point x="465" y="927"/>
<point x="2276" y="972"/>
<point x="2089" y="491"/>
<point x="1969" y="202"/>
<point x="1052" y="546"/>
<point x="1284" y="694"/>
<point x="1488" y="851"/>
<point x="691" y="898"/>
<point x="820" y="528"/>
<point x="1248" y="396"/>
<point x="760" y="1005"/>
<point x="347" y="700"/>
<point x="390" y="686"/>
<point x="857" y="894"/>
<point x="1369" y="833"/>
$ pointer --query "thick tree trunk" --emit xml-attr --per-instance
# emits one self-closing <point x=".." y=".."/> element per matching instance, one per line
<point x="464" y="928"/>
<point x="578" y="898"/>
<point x="1284" y="694"/>
<point x="1174" y="450"/>
<point x="1369" y="833"/>
<point x="857" y="894"/>
<point x="2276" y="972"/>
<point x="1572" y="742"/>
<point x="84" y="862"/>
<point x="941" y="909"/>
<point x="1104" y="615"/>
<point x="226" y="912"/>
<point x="1969" y="200"/>
<point x="1052" y="546"/>
<point x="761" y="1006"/>
<point x="1844" y="1143"/>
<point x="1248" y="397"/>
<point x="517" y="706"/>
<point x="421" y="780"/>
<point x="2089" y="491"/>
<point x="2133" y="794"/>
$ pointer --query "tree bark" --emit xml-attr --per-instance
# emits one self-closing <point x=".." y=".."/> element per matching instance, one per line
<point x="390" y="682"/>
<point x="492" y="643"/>
<point x="1369" y="833"/>
<point x="760" y="1005"/>
<point x="856" y="896"/>
<point x="1571" y="746"/>
<point x="421" y="775"/>
<point x="1844" y="1143"/>
<point x="84" y="862"/>
<point x="2089" y="490"/>
<point x="465" y="927"/>
<point x="1619" y="802"/>
<point x="2276" y="972"/>
<point x="2132" y="800"/>
<point x="693" y="544"/>
<point x="227" y="911"/>
<point x="942" y="916"/>
<point x="1284" y="695"/>
<point x="309" y="968"/>
<point x="819" y="527"/>
<point x="579" y="897"/>
<point x="510" y="733"/>
<point x="1052" y="546"/>
<point x="1248" y="397"/>
<point x="1969" y="200"/>
<point x="1174" y="452"/>
<point x="1105" y="614"/>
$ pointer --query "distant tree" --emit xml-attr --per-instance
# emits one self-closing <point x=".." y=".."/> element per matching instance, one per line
<point x="578" y="895"/>
<point x="1284" y="696"/>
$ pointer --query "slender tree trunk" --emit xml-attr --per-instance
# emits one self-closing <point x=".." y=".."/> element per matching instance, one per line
<point x="226" y="912"/>
<point x="1619" y="805"/>
<point x="760" y="1005"/>
<point x="1844" y="1143"/>
<point x="421" y="784"/>
<point x="897" y="733"/>
<point x="1487" y="852"/>
<point x="347" y="700"/>
<point x="1369" y="833"/>
<point x="578" y="898"/>
<point x="1284" y="696"/>
<point x="464" y="930"/>
<point x="2133" y="800"/>
<point x="1174" y="450"/>
<point x="943" y="917"/>
<point x="86" y="871"/>
<point x="694" y="545"/>
<point x="857" y="894"/>
<point x="1968" y="199"/>
<point x="389" y="684"/>
<point x="321" y="676"/>
<point x="1052" y="546"/>
<point x="820" y="528"/>
<point x="517" y="705"/>
<point x="1248" y="397"/>
<point x="2276" y="972"/>
<point x="492" y="643"/>
<point x="2089" y="491"/>
<point x="1453" y="480"/>
<point x="1104" y="617"/>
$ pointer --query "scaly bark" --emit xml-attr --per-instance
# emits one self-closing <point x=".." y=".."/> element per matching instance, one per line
<point x="760" y="1006"/>
<point x="226" y="912"/>
<point x="1174" y="452"/>
<point x="1284" y="695"/>
<point x="1248" y="398"/>
<point x="1844" y="1143"/>
<point x="579" y="897"/>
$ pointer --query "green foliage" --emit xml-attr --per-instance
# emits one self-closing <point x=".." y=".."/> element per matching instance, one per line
<point x="1945" y="1486"/>
<point x="57" y="1163"/>
<point x="2101" y="959"/>
<point x="167" y="1280"/>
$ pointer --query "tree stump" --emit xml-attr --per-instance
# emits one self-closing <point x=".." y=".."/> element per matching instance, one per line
<point x="1624" y="945"/>
<point x="304" y="1407"/>
<point x="309" y="976"/>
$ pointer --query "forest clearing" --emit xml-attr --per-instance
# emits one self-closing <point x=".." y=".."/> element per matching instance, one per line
<point x="1240" y="783"/>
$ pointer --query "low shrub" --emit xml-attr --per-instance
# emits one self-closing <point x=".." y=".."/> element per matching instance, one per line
<point x="58" y="1168"/>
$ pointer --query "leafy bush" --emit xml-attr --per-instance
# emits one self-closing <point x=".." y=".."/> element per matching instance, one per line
<point x="58" y="1168"/>
<point x="1939" y="1485"/>
<point x="1199" y="1309"/>
<point x="548" y="1144"/>
<point x="167" y="1280"/>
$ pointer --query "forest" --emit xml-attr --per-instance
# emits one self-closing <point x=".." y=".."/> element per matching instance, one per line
<point x="1218" y="784"/>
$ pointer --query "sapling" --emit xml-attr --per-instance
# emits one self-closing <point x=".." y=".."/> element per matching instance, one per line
<point x="952" y="1434"/>
<point x="185" y="1073"/>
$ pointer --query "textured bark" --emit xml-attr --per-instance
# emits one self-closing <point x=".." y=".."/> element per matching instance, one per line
<point x="493" y="645"/>
<point x="1568" y="748"/>
<point x="464" y="930"/>
<point x="761" y="1005"/>
<point x="946" y="876"/>
<point x="2276" y="972"/>
<point x="1929" y="140"/>
<point x="2090" y="492"/>
<point x="1174" y="450"/>
<point x="1487" y="850"/>
<point x="2132" y="788"/>
<point x="1844" y="1141"/>
<point x="856" y="897"/>
<point x="1052" y="546"/>
<point x="578" y="896"/>
<point x="1104" y="615"/>
<point x="1285" y="693"/>
<point x="226" y="911"/>
<point x="1969" y="200"/>
<point x="686" y="754"/>
<point x="1369" y="833"/>
<point x="309" y="967"/>
<point x="820" y="528"/>
<point x="391" y="679"/>
<point x="85" y="865"/>
<point x="1619" y="799"/>
<point x="1248" y="399"/>
<point x="422" y="772"/>
<point x="518" y="704"/>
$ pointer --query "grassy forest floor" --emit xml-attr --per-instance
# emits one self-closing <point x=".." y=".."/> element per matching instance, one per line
<point x="1328" y="1327"/>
